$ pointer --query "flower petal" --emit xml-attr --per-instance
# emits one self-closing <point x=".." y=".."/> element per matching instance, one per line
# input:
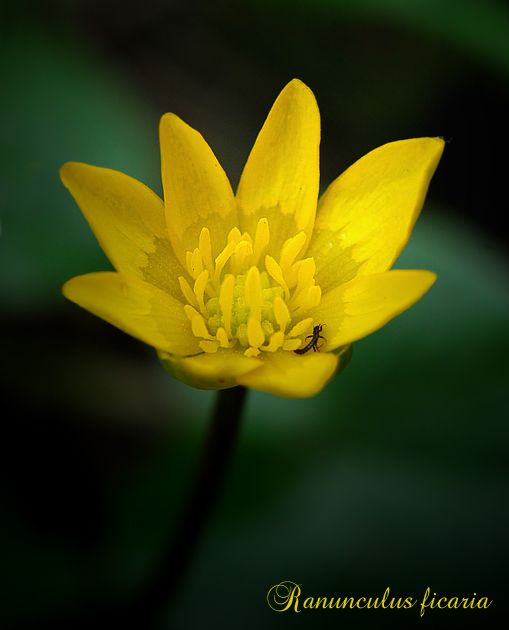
<point x="137" y="308"/>
<point x="128" y="220"/>
<point x="210" y="371"/>
<point x="280" y="180"/>
<point x="197" y="192"/>
<point x="293" y="376"/>
<point x="366" y="216"/>
<point x="365" y="304"/>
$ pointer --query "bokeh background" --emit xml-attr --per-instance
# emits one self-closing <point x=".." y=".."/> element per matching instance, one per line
<point x="396" y="475"/>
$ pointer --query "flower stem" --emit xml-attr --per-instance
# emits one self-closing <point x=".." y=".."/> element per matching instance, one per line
<point x="217" y="454"/>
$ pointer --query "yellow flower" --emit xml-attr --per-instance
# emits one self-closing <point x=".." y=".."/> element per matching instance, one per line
<point x="227" y="287"/>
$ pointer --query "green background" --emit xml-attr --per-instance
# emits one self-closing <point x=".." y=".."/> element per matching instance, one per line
<point x="396" y="474"/>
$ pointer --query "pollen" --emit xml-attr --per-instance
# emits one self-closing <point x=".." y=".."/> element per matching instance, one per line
<point x="246" y="298"/>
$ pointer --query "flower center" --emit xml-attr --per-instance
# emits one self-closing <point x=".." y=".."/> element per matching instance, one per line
<point x="235" y="299"/>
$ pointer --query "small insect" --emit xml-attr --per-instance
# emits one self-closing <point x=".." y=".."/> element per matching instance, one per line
<point x="314" y="340"/>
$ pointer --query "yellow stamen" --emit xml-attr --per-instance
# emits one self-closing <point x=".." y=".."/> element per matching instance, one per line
<point x="221" y="261"/>
<point x="199" y="290"/>
<point x="241" y="256"/>
<point x="188" y="292"/>
<point x="199" y="328"/>
<point x="291" y="344"/>
<point x="222" y="337"/>
<point x="206" y="250"/>
<point x="255" y="334"/>
<point x="261" y="241"/>
<point x="226" y="301"/>
<point x="290" y="250"/>
<point x="194" y="264"/>
<point x="276" y="341"/>
<point x="300" y="328"/>
<point x="209" y="346"/>
<point x="281" y="312"/>
<point x="276" y="272"/>
<point x="254" y="293"/>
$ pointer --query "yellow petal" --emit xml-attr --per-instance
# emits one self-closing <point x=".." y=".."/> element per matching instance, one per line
<point x="366" y="216"/>
<point x="365" y="304"/>
<point x="128" y="220"/>
<point x="197" y="192"/>
<point x="137" y="308"/>
<point x="280" y="179"/>
<point x="220" y="370"/>
<point x="292" y="376"/>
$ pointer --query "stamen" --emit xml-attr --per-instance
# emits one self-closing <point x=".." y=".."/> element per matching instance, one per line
<point x="206" y="250"/>
<point x="308" y="299"/>
<point x="255" y="334"/>
<point x="190" y="312"/>
<point x="194" y="263"/>
<point x="254" y="293"/>
<point x="261" y="241"/>
<point x="275" y="342"/>
<point x="276" y="272"/>
<point x="209" y="346"/>
<point x="199" y="328"/>
<point x="234" y="235"/>
<point x="199" y="290"/>
<point x="188" y="292"/>
<point x="281" y="313"/>
<point x="290" y="250"/>
<point x="223" y="338"/>
<point x="221" y="261"/>
<point x="305" y="279"/>
<point x="301" y="327"/>
<point x="241" y="255"/>
<point x="226" y="302"/>
<point x="291" y="344"/>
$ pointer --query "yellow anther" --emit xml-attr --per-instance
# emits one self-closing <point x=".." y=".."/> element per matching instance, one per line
<point x="252" y="352"/>
<point x="206" y="250"/>
<point x="290" y="250"/>
<point x="226" y="301"/>
<point x="261" y="241"/>
<point x="222" y="337"/>
<point x="308" y="299"/>
<point x="239" y="261"/>
<point x="221" y="261"/>
<point x="305" y="279"/>
<point x="301" y="327"/>
<point x="255" y="334"/>
<point x="281" y="312"/>
<point x="199" y="290"/>
<point x="194" y="263"/>
<point x="209" y="346"/>
<point x="276" y="272"/>
<point x="275" y="342"/>
<point x="254" y="293"/>
<point x="234" y="235"/>
<point x="190" y="312"/>
<point x="188" y="292"/>
<point x="199" y="328"/>
<point x="291" y="344"/>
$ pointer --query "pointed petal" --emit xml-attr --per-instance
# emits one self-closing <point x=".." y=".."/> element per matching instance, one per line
<point x="137" y="308"/>
<point x="366" y="216"/>
<point x="365" y="304"/>
<point x="220" y="370"/>
<point x="197" y="192"/>
<point x="292" y="376"/>
<point x="281" y="177"/>
<point x="128" y="220"/>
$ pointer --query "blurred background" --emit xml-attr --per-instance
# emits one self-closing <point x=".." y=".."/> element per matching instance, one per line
<point x="396" y="474"/>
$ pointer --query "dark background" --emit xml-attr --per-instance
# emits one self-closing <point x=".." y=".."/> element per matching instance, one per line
<point x="396" y="474"/>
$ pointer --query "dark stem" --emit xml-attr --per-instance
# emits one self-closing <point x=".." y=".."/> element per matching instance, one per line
<point x="216" y="457"/>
